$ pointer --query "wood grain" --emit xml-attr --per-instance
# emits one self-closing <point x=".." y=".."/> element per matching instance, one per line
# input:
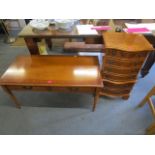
<point x="54" y="71"/>
<point x="54" y="74"/>
<point x="123" y="59"/>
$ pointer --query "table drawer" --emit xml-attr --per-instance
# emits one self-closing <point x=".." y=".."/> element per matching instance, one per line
<point x="54" y="89"/>
<point x="72" y="89"/>
<point x="13" y="87"/>
<point x="63" y="89"/>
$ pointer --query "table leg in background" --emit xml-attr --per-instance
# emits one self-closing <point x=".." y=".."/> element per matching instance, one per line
<point x="49" y="43"/>
<point x="32" y="46"/>
<point x="93" y="40"/>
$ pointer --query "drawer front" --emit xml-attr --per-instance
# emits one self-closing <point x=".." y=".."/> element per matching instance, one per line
<point x="113" y="89"/>
<point x="118" y="78"/>
<point x="64" y="89"/>
<point x="15" y="87"/>
<point x="54" y="89"/>
<point x="119" y="63"/>
<point x="116" y="92"/>
<point x="111" y="85"/>
<point x="124" y="54"/>
<point x="120" y="70"/>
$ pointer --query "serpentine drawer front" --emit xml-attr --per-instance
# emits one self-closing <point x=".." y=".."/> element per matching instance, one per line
<point x="124" y="56"/>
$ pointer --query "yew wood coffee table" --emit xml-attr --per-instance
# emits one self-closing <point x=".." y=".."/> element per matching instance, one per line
<point x="53" y="73"/>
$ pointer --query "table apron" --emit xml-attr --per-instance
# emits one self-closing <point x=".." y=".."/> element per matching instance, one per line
<point x="53" y="89"/>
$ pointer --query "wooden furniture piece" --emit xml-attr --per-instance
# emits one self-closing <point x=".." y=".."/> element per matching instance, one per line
<point x="123" y="59"/>
<point x="32" y="36"/>
<point x="53" y="73"/>
<point x="147" y="99"/>
<point x="83" y="47"/>
<point x="150" y="37"/>
<point x="151" y="57"/>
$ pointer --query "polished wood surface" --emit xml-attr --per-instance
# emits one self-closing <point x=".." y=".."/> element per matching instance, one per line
<point x="60" y="70"/>
<point x="53" y="73"/>
<point x="123" y="59"/>
<point x="150" y="37"/>
<point x="126" y="42"/>
<point x="30" y="36"/>
<point x="151" y="56"/>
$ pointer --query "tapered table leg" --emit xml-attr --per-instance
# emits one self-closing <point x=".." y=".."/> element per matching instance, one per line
<point x="9" y="92"/>
<point x="93" y="40"/>
<point x="96" y="97"/>
<point x="32" y="46"/>
<point x="49" y="43"/>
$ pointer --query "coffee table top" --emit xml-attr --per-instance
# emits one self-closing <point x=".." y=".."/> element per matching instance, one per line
<point x="82" y="71"/>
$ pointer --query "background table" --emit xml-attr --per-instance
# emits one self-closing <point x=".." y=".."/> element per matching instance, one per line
<point x="32" y="36"/>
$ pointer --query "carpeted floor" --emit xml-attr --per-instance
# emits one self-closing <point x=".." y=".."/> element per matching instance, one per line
<point x="60" y="113"/>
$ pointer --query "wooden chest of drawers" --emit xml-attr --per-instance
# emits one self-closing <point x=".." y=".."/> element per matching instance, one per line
<point x="123" y="59"/>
